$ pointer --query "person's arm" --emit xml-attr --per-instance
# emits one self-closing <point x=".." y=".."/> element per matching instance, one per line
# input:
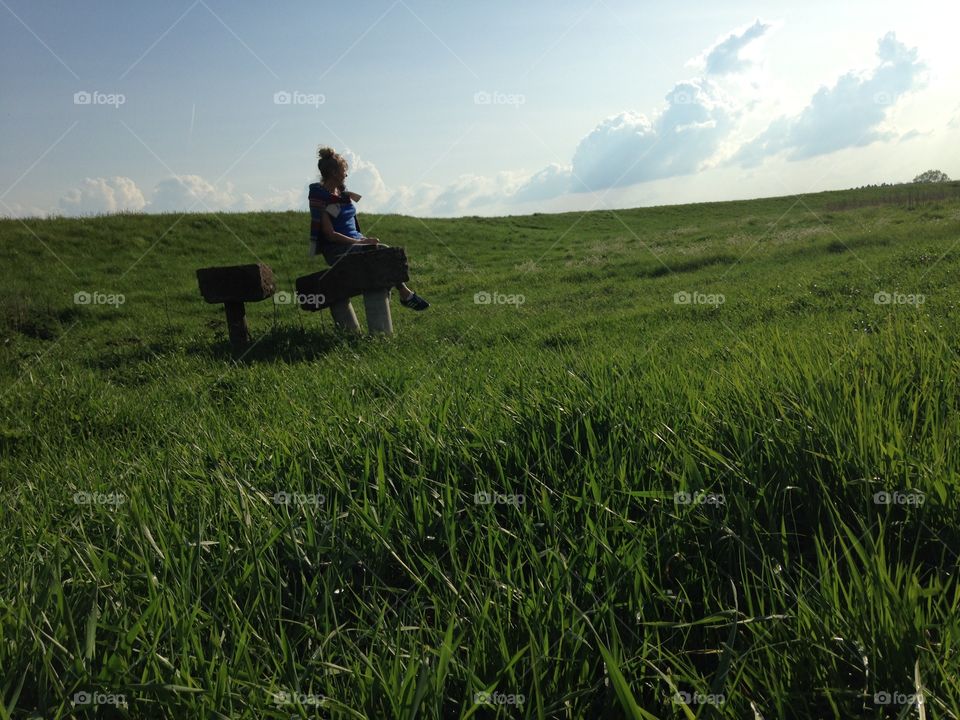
<point x="326" y="226"/>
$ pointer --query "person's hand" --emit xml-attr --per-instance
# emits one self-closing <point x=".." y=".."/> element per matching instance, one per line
<point x="370" y="241"/>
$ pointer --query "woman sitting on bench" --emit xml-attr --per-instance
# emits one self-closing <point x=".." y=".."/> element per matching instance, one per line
<point x="333" y="227"/>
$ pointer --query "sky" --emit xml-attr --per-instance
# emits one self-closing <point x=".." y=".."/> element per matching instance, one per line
<point x="449" y="109"/>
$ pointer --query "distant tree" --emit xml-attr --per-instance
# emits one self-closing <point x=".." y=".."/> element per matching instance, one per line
<point x="932" y="176"/>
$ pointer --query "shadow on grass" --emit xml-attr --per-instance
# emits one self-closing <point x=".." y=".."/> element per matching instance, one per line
<point x="286" y="343"/>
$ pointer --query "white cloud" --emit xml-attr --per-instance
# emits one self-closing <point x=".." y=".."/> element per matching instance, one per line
<point x="103" y="195"/>
<point x="174" y="194"/>
<point x="192" y="192"/>
<point x="18" y="210"/>
<point x="292" y="199"/>
<point x="366" y="180"/>
<point x="682" y="138"/>
<point x="550" y="182"/>
<point x="849" y="114"/>
<point x="628" y="148"/>
<point x="727" y="55"/>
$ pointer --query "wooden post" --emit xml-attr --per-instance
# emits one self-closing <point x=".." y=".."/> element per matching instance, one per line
<point x="233" y="286"/>
<point x="237" y="325"/>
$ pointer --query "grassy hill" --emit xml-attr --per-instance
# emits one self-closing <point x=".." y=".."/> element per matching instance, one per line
<point x="692" y="461"/>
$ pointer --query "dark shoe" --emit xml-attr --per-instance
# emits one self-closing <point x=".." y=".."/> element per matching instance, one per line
<point x="416" y="302"/>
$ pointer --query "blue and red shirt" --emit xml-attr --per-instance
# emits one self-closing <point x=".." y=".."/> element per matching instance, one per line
<point x="340" y="208"/>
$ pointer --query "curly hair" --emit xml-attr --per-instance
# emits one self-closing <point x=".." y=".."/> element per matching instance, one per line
<point x="329" y="163"/>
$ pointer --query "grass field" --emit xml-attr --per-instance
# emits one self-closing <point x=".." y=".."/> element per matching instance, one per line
<point x="689" y="461"/>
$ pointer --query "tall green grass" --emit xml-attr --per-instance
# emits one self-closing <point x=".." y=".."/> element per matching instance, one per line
<point x="596" y="503"/>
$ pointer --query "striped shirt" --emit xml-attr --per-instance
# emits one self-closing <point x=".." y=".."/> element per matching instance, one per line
<point x="342" y="212"/>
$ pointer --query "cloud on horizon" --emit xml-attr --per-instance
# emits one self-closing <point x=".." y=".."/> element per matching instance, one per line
<point x="182" y="193"/>
<point x="103" y="195"/>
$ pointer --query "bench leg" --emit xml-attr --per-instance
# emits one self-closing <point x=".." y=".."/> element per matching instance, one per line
<point x="237" y="325"/>
<point x="377" y="305"/>
<point x="344" y="316"/>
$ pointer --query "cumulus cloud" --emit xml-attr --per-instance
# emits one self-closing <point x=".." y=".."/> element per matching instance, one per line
<point x="174" y="194"/>
<point x="103" y="195"/>
<point x="192" y="192"/>
<point x="292" y="199"/>
<point x="19" y="210"/>
<point x="366" y="180"/>
<point x="469" y="192"/>
<point x="629" y="148"/>
<point x="725" y="56"/>
<point x="553" y="180"/>
<point x="849" y="114"/>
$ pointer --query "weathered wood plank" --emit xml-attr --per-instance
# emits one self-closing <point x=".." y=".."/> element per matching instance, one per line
<point x="236" y="283"/>
<point x="351" y="275"/>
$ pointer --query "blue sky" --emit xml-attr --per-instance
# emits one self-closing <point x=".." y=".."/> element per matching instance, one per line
<point x="448" y="109"/>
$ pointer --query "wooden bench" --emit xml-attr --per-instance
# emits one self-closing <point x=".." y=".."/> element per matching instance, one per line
<point x="233" y="286"/>
<point x="370" y="273"/>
